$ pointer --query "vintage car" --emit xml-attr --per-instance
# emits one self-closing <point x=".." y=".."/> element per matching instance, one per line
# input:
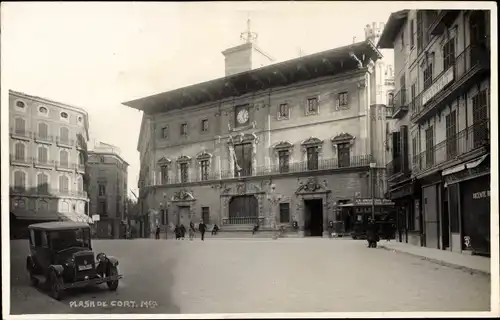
<point x="61" y="257"/>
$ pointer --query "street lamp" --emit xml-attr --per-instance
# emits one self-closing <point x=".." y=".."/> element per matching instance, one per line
<point x="373" y="165"/>
<point x="274" y="199"/>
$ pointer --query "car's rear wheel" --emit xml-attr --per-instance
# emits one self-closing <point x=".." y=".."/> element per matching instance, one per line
<point x="113" y="284"/>
<point x="56" y="286"/>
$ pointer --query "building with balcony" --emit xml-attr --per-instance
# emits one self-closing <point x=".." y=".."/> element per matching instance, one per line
<point x="108" y="174"/>
<point x="439" y="172"/>
<point x="47" y="139"/>
<point x="290" y="141"/>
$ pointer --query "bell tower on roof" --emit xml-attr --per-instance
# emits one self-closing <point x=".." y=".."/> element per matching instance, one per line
<point x="247" y="56"/>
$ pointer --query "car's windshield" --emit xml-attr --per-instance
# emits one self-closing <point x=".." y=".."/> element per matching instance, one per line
<point x="63" y="239"/>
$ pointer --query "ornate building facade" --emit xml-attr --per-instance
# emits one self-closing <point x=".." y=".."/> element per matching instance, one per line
<point x="47" y="163"/>
<point x="108" y="189"/>
<point x="439" y="174"/>
<point x="287" y="142"/>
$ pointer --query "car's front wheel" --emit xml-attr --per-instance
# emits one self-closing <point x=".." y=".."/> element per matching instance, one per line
<point x="56" y="286"/>
<point x="113" y="284"/>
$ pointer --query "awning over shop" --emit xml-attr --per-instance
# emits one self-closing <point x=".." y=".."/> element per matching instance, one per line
<point x="453" y="170"/>
<point x="476" y="162"/>
<point x="76" y="217"/>
<point x="32" y="215"/>
<point x="469" y="165"/>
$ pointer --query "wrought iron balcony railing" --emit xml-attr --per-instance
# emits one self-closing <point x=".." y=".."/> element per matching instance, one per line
<point x="44" y="162"/>
<point x="400" y="104"/>
<point x="294" y="167"/>
<point x="43" y="138"/>
<point x="242" y="221"/>
<point x="454" y="80"/>
<point x="63" y="141"/>
<point x="21" y="159"/>
<point x="467" y="140"/>
<point x="45" y="190"/>
<point x="21" y="133"/>
<point x="65" y="165"/>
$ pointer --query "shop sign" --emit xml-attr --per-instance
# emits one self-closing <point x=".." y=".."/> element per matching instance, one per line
<point x="437" y="86"/>
<point x="481" y="195"/>
<point x="378" y="202"/>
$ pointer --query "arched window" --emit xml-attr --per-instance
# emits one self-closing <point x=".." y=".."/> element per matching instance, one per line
<point x="64" y="134"/>
<point x="19" y="180"/>
<point x="63" y="184"/>
<point x="20" y="126"/>
<point x="64" y="157"/>
<point x="42" y="154"/>
<point x="19" y="153"/>
<point x="42" y="182"/>
<point x="79" y="184"/>
<point x="43" y="130"/>
<point x="390" y="99"/>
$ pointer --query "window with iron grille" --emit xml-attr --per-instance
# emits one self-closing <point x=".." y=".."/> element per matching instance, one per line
<point x="43" y="182"/>
<point x="103" y="208"/>
<point x="204" y="169"/>
<point x="344" y="155"/>
<point x="284" y="160"/>
<point x="420" y="31"/>
<point x="243" y="154"/>
<point x="396" y="151"/>
<point x="412" y="33"/>
<point x="63" y="184"/>
<point x="184" y="129"/>
<point x="404" y="149"/>
<point x="429" y="147"/>
<point x="164" y="174"/>
<point x="480" y="118"/>
<point x="20" y="126"/>
<point x="449" y="54"/>
<point x="19" y="180"/>
<point x="205" y="214"/>
<point x="428" y="76"/>
<point x="414" y="149"/>
<point x="19" y="151"/>
<point x="284" y="212"/>
<point x="284" y="111"/>
<point x="312" y="158"/>
<point x="102" y="190"/>
<point x="204" y="125"/>
<point x="43" y="130"/>
<point x="164" y="132"/>
<point x="343" y="99"/>
<point x="451" y="135"/>
<point x="402" y="92"/>
<point x="184" y="172"/>
<point x="312" y="105"/>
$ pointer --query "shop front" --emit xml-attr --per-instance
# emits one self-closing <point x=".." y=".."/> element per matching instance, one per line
<point x="403" y="195"/>
<point x="468" y="188"/>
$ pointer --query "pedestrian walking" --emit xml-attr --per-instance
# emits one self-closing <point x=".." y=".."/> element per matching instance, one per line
<point x="202" y="227"/>
<point x="183" y="231"/>
<point x="192" y="230"/>
<point x="177" y="231"/>
<point x="157" y="235"/>
<point x="372" y="234"/>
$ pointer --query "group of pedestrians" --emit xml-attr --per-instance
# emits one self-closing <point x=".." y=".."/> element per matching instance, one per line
<point x="180" y="231"/>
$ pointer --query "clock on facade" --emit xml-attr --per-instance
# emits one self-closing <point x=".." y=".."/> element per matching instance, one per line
<point x="242" y="116"/>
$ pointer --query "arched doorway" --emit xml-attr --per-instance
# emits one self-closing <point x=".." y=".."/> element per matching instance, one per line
<point x="243" y="210"/>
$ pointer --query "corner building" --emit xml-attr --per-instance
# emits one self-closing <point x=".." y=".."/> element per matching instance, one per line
<point x="439" y="174"/>
<point x="282" y="143"/>
<point x="108" y="189"/>
<point x="47" y="164"/>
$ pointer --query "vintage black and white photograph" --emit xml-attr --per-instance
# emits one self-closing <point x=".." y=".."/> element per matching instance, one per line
<point x="249" y="158"/>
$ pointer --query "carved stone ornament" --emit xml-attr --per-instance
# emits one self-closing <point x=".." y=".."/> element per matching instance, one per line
<point x="311" y="142"/>
<point x="242" y="138"/>
<point x="241" y="188"/>
<point x="283" y="145"/>
<point x="164" y="161"/>
<point x="184" y="159"/>
<point x="204" y="156"/>
<point x="311" y="185"/>
<point x="343" y="137"/>
<point x="183" y="195"/>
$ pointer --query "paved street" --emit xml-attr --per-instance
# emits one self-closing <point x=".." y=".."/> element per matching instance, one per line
<point x="286" y="275"/>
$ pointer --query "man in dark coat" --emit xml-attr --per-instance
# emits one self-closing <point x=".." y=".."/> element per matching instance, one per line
<point x="202" y="227"/>
<point x="177" y="232"/>
<point x="215" y="229"/>
<point x="372" y="234"/>
<point x="157" y="235"/>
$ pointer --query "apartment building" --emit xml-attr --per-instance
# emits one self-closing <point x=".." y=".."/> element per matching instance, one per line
<point x="108" y="189"/>
<point x="47" y="166"/>
<point x="281" y="143"/>
<point x="440" y="170"/>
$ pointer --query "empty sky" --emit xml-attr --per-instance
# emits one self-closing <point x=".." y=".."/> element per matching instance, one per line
<point x="98" y="55"/>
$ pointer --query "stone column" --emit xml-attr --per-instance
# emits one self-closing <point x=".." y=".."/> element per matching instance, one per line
<point x="231" y="160"/>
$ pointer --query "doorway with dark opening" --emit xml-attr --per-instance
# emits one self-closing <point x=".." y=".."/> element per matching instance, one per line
<point x="313" y="217"/>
